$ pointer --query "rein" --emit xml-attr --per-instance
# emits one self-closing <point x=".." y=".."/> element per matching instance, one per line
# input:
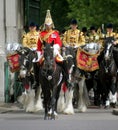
<point x="68" y="56"/>
<point x="107" y="68"/>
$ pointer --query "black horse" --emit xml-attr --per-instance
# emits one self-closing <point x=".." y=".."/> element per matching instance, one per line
<point x="26" y="70"/>
<point x="66" y="94"/>
<point x="80" y="95"/>
<point x="108" y="73"/>
<point x="50" y="78"/>
<point x="68" y="54"/>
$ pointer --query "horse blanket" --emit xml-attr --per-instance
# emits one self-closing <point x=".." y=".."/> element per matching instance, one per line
<point x="13" y="61"/>
<point x="87" y="61"/>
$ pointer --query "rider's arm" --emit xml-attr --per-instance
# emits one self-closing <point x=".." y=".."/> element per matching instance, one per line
<point x="81" y="40"/>
<point x="58" y="40"/>
<point x="116" y="38"/>
<point x="64" y="41"/>
<point x="25" y="40"/>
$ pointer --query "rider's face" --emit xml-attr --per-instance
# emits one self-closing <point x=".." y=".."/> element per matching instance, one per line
<point x="93" y="31"/>
<point x="32" y="28"/>
<point x="109" y="29"/>
<point x="73" y="26"/>
<point x="48" y="27"/>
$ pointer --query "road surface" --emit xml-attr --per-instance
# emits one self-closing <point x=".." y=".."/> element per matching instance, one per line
<point x="93" y="119"/>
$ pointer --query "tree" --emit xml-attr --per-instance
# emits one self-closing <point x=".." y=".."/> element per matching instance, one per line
<point x="93" y="12"/>
<point x="59" y="10"/>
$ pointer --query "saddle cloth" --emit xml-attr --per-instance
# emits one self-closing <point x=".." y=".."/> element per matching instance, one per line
<point x="13" y="61"/>
<point x="87" y="61"/>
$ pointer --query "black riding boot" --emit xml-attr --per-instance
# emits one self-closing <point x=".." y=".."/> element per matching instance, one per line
<point x="36" y="75"/>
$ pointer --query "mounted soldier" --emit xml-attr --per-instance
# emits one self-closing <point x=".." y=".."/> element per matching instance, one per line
<point x="93" y="36"/>
<point x="48" y="35"/>
<point x="85" y="34"/>
<point x="30" y="39"/>
<point x="73" y="37"/>
<point x="111" y="33"/>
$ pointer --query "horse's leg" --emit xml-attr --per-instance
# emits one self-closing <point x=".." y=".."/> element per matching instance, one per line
<point x="12" y="82"/>
<point x="96" y="93"/>
<point x="83" y="95"/>
<point x="53" y="101"/>
<point x="47" y="95"/>
<point x="61" y="99"/>
<point x="39" y="104"/>
<point x="75" y="96"/>
<point x="106" y="96"/>
<point x="57" y="97"/>
<point x="113" y="94"/>
<point x="36" y="75"/>
<point x="27" y="98"/>
<point x="69" y="105"/>
<point x="104" y="89"/>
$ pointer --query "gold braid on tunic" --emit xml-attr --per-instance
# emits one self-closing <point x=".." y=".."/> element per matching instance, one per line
<point x="73" y="38"/>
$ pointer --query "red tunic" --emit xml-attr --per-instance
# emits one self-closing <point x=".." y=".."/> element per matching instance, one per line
<point x="48" y="37"/>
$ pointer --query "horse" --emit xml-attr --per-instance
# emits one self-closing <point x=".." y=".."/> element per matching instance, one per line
<point x="85" y="80"/>
<point x="30" y="98"/>
<point x="66" y="94"/>
<point x="82" y="100"/>
<point x="108" y="74"/>
<point x="78" y="87"/>
<point x="25" y="72"/>
<point x="50" y="78"/>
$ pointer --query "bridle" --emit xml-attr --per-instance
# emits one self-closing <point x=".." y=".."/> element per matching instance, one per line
<point x="49" y="65"/>
<point x="107" y="62"/>
<point x="47" y="72"/>
<point x="71" y="68"/>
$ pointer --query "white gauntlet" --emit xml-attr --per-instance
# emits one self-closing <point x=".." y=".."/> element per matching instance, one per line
<point x="56" y="51"/>
<point x="97" y="37"/>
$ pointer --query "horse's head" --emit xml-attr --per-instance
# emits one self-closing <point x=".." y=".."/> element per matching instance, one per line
<point x="108" y="49"/>
<point x="48" y="55"/>
<point x="25" y="61"/>
<point x="68" y="54"/>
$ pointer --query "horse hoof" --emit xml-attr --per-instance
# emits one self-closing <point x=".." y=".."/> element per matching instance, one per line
<point x="101" y="106"/>
<point x="45" y="118"/>
<point x="50" y="113"/>
<point x="82" y="109"/>
<point x="52" y="117"/>
<point x="106" y="107"/>
<point x="113" y="105"/>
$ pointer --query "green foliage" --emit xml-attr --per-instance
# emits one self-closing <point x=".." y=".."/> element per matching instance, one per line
<point x="94" y="12"/>
<point x="59" y="10"/>
<point x="87" y="12"/>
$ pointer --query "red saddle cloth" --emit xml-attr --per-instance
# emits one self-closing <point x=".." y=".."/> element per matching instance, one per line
<point x="13" y="61"/>
<point x="87" y="61"/>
